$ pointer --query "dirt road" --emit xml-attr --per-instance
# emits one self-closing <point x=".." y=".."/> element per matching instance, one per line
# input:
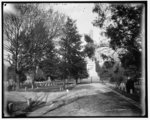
<point x="90" y="100"/>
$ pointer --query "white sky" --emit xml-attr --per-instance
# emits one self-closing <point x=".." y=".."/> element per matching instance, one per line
<point x="82" y="13"/>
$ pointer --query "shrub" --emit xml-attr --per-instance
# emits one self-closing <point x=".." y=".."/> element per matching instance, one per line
<point x="112" y="79"/>
<point x="40" y="79"/>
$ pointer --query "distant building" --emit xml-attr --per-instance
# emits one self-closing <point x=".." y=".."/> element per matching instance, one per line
<point x="91" y="68"/>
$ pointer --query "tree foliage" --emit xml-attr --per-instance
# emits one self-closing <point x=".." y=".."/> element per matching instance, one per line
<point x="28" y="37"/>
<point x="88" y="39"/>
<point x="125" y="30"/>
<point x="51" y="67"/>
<point x="13" y="26"/>
<point x="72" y="57"/>
<point x="89" y="47"/>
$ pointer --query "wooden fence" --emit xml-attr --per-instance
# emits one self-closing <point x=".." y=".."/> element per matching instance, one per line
<point x="59" y="85"/>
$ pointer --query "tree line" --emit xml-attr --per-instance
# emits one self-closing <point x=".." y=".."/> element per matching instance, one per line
<point x="43" y="38"/>
<point x="123" y="24"/>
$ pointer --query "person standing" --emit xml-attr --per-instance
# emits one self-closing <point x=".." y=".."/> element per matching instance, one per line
<point x="130" y="85"/>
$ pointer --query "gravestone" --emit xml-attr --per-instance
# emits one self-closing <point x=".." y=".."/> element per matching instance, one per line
<point x="29" y="101"/>
<point x="25" y="88"/>
<point x="10" y="108"/>
<point x="49" y="79"/>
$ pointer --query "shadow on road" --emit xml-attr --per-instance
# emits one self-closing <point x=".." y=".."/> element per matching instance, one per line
<point x="106" y="104"/>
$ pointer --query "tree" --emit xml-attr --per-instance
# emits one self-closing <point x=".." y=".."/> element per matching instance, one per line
<point x="28" y="36"/>
<point x="124" y="31"/>
<point x="51" y="62"/>
<point x="51" y="67"/>
<point x="35" y="44"/>
<point x="72" y="56"/>
<point x="89" y="47"/>
<point x="13" y="25"/>
<point x="88" y="39"/>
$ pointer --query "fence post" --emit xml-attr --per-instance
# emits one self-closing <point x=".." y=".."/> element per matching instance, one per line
<point x="32" y="86"/>
<point x="64" y="84"/>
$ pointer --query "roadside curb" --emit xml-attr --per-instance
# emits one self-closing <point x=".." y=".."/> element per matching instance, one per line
<point x="126" y="98"/>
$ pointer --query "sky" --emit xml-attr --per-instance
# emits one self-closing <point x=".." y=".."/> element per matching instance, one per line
<point x="82" y="13"/>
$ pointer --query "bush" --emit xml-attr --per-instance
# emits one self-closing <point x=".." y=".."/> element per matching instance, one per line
<point x="112" y="79"/>
<point x="120" y="79"/>
<point x="40" y="79"/>
<point x="22" y="77"/>
<point x="117" y="79"/>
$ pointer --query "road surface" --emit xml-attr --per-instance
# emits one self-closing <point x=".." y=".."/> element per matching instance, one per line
<point x="94" y="99"/>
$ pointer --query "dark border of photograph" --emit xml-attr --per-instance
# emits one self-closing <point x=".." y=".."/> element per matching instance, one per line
<point x="146" y="83"/>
